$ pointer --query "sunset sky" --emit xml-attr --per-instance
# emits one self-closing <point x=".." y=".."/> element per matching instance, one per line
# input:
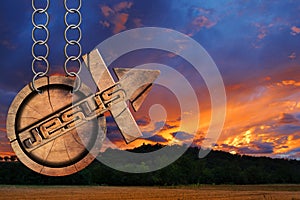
<point x="255" y="45"/>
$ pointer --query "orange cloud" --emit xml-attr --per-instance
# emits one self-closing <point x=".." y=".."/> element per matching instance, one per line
<point x="106" y="11"/>
<point x="273" y="137"/>
<point x="199" y="23"/>
<point x="233" y="87"/>
<point x="123" y="5"/>
<point x="9" y="153"/>
<point x="265" y="125"/>
<point x="262" y="32"/>
<point x="295" y="30"/>
<point x="202" y="21"/>
<point x="290" y="83"/>
<point x="116" y="16"/>
<point x="261" y="117"/>
<point x="119" y="22"/>
<point x="5" y="148"/>
<point x="267" y="78"/>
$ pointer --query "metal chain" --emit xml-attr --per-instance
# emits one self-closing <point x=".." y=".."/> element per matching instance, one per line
<point x="73" y="42"/>
<point x="69" y="42"/>
<point x="41" y="42"/>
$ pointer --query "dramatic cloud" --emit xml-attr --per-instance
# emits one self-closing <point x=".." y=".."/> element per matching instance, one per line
<point x="254" y="44"/>
<point x="273" y="137"/>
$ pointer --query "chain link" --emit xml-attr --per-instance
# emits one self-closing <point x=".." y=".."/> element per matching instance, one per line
<point x="38" y="59"/>
<point x="40" y="42"/>
<point x="73" y="42"/>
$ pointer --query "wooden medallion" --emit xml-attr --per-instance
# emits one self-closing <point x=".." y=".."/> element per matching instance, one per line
<point x="49" y="132"/>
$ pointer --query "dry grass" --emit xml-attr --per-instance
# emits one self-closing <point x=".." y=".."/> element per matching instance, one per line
<point x="206" y="192"/>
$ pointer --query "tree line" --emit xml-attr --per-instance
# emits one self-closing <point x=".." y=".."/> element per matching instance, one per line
<point x="11" y="158"/>
<point x="216" y="168"/>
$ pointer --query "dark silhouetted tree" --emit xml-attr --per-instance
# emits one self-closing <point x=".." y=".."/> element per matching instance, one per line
<point x="216" y="168"/>
<point x="6" y="158"/>
<point x="13" y="158"/>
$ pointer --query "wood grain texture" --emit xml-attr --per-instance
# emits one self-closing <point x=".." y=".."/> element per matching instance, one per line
<point x="67" y="153"/>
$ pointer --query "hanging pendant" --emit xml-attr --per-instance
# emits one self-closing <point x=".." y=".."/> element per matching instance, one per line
<point x="49" y="133"/>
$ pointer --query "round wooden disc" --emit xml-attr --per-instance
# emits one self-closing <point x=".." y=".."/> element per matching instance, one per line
<point x="56" y="154"/>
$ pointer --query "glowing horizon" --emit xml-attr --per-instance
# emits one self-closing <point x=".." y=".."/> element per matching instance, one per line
<point x="254" y="44"/>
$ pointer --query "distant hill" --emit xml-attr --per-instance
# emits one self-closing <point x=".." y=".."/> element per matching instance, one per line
<point x="216" y="168"/>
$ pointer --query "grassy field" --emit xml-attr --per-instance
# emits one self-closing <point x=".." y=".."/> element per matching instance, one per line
<point x="280" y="192"/>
